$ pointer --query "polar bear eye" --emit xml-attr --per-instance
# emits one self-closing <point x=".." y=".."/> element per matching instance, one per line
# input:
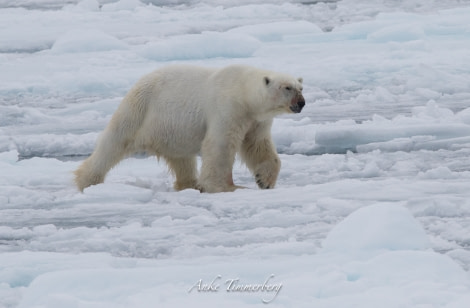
<point x="288" y="88"/>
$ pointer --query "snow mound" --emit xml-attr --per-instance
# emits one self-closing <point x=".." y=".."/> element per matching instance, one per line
<point x="377" y="227"/>
<point x="54" y="145"/>
<point x="276" y="31"/>
<point x="121" y="5"/>
<point x="397" y="33"/>
<point x="202" y="46"/>
<point x="76" y="41"/>
<point x="429" y="127"/>
<point x="86" y="5"/>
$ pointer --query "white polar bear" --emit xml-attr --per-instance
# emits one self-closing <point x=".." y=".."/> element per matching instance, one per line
<point x="180" y="111"/>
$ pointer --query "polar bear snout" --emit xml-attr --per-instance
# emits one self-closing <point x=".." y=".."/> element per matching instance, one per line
<point x="297" y="104"/>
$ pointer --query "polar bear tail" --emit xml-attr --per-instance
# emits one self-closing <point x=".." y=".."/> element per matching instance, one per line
<point x="117" y="140"/>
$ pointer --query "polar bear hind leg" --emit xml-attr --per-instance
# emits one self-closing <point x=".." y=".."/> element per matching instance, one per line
<point x="93" y="170"/>
<point x="116" y="142"/>
<point x="185" y="171"/>
<point x="218" y="156"/>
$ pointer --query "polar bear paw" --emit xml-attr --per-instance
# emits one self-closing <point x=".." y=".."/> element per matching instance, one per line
<point x="215" y="189"/>
<point x="266" y="174"/>
<point x="263" y="183"/>
<point x="188" y="184"/>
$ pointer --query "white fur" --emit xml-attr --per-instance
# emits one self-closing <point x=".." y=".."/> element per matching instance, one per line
<point x="179" y="111"/>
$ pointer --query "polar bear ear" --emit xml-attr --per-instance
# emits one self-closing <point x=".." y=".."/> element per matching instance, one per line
<point x="300" y="79"/>
<point x="267" y="81"/>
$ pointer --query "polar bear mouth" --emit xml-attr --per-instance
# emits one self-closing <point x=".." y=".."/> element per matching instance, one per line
<point x="297" y="108"/>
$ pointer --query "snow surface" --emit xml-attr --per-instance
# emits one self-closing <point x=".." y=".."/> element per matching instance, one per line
<point x="372" y="206"/>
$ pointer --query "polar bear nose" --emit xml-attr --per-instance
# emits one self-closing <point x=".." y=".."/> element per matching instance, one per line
<point x="296" y="108"/>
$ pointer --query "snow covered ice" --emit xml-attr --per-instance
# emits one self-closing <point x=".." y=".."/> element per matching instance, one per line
<point x="372" y="206"/>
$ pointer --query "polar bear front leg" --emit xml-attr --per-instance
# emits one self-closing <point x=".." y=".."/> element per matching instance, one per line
<point x="260" y="156"/>
<point x="218" y="156"/>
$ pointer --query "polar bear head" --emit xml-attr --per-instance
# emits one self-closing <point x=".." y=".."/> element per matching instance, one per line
<point x="284" y="94"/>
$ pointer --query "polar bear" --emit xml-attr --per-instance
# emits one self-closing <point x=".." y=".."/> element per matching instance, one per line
<point x="180" y="111"/>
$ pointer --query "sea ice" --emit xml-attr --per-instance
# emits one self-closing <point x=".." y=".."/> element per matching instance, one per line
<point x="371" y="207"/>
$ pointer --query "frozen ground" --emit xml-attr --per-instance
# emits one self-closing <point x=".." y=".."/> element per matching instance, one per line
<point x="372" y="207"/>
